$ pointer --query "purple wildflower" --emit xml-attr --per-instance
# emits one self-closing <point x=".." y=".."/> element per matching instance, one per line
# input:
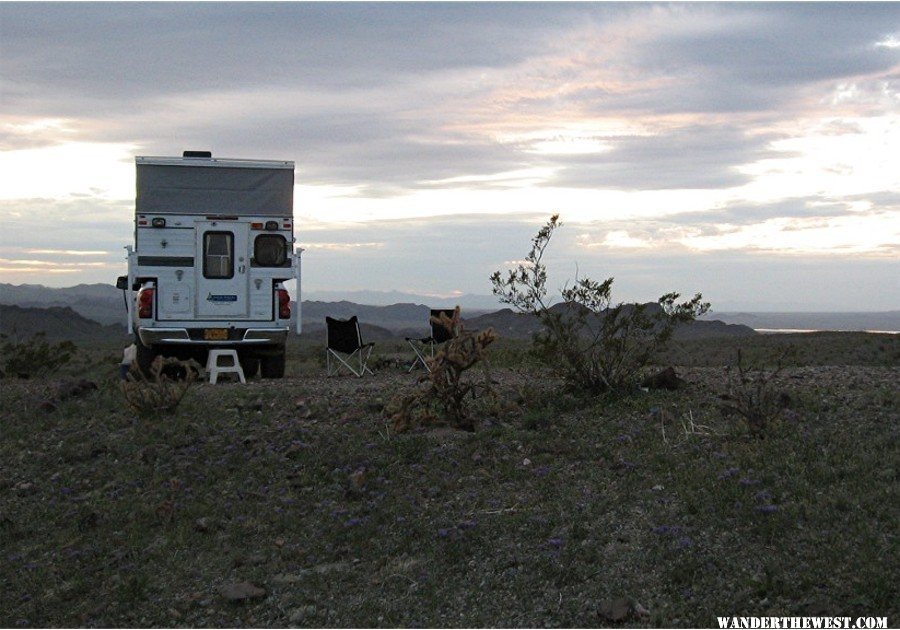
<point x="556" y="542"/>
<point x="685" y="543"/>
<point x="763" y="496"/>
<point x="353" y="522"/>
<point x="746" y="481"/>
<point x="666" y="530"/>
<point x="443" y="532"/>
<point x="767" y="509"/>
<point x="731" y="472"/>
<point x="542" y="471"/>
<point x="470" y="524"/>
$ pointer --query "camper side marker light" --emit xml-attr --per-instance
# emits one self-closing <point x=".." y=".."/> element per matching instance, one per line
<point x="158" y="222"/>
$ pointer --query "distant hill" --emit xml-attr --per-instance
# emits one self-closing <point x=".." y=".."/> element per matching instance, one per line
<point x="57" y="323"/>
<point x="394" y="317"/>
<point x="99" y="302"/>
<point x="409" y="316"/>
<point x="512" y="325"/>
<point x="316" y="330"/>
<point x="467" y="301"/>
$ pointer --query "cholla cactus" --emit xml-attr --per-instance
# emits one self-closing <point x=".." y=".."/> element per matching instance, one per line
<point x="156" y="393"/>
<point x="447" y="389"/>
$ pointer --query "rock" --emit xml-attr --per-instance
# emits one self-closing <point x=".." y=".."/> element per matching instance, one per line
<point x="25" y="488"/>
<point x="75" y="389"/>
<point x="616" y="609"/>
<point x="304" y="612"/>
<point x="287" y="578"/>
<point x="47" y="406"/>
<point x="664" y="379"/>
<point x="640" y="611"/>
<point x="203" y="525"/>
<point x="251" y="559"/>
<point x="526" y="462"/>
<point x="241" y="592"/>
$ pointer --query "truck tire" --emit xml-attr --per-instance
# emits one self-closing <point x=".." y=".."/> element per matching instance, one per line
<point x="272" y="366"/>
<point x="143" y="357"/>
<point x="250" y="365"/>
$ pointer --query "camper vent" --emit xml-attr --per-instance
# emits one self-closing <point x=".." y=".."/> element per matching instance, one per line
<point x="197" y="154"/>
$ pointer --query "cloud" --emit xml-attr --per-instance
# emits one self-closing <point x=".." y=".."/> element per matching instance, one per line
<point x="658" y="130"/>
<point x="696" y="156"/>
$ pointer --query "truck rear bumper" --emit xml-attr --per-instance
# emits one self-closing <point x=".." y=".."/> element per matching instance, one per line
<point x="185" y="336"/>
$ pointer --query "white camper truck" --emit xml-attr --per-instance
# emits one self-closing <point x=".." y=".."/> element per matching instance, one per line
<point x="213" y="246"/>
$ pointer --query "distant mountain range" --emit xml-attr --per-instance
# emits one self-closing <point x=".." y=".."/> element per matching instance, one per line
<point x="99" y="302"/>
<point x="103" y="304"/>
<point x="467" y="301"/>
<point x="57" y="323"/>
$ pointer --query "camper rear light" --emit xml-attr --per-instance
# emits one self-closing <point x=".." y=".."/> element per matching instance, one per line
<point x="145" y="303"/>
<point x="271" y="225"/>
<point x="284" y="304"/>
<point x="256" y="226"/>
<point x="158" y="222"/>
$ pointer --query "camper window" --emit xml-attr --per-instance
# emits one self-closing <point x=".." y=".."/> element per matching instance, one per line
<point x="218" y="254"/>
<point x="270" y="250"/>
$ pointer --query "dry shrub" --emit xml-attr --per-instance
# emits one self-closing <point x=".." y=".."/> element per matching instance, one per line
<point x="159" y="393"/>
<point x="444" y="399"/>
<point x="752" y="395"/>
<point x="596" y="346"/>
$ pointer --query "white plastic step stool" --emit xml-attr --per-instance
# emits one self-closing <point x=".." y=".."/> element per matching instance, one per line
<point x="214" y="369"/>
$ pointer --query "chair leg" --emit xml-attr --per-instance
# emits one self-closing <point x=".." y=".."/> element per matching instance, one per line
<point x="420" y="358"/>
<point x="364" y="362"/>
<point x="341" y="361"/>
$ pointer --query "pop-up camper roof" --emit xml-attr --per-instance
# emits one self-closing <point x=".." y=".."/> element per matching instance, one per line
<point x="190" y="185"/>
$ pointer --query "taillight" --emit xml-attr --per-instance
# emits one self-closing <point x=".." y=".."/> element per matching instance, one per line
<point x="284" y="304"/>
<point x="145" y="303"/>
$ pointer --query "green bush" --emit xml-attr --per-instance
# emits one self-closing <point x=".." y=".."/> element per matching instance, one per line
<point x="594" y="345"/>
<point x="34" y="357"/>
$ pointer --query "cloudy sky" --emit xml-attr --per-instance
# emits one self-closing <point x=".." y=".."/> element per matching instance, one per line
<point x="748" y="151"/>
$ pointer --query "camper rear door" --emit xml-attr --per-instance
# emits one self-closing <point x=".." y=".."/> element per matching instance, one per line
<point x="223" y="270"/>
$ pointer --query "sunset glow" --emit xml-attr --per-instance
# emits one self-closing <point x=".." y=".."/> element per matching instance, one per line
<point x="638" y="123"/>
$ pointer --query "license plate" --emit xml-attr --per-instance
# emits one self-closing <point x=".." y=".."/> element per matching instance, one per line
<point x="215" y="334"/>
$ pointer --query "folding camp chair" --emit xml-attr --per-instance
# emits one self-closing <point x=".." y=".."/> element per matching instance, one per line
<point x="342" y="336"/>
<point x="439" y="335"/>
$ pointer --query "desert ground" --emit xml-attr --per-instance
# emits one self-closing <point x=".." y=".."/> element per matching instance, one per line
<point x="294" y="502"/>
